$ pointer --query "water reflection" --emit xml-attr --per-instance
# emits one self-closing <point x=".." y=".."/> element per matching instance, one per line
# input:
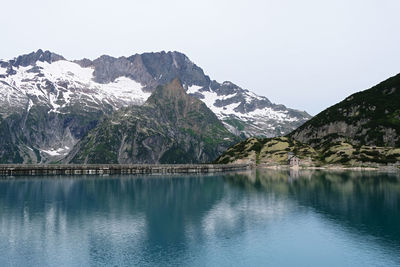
<point x="109" y="218"/>
<point x="368" y="202"/>
<point x="250" y="218"/>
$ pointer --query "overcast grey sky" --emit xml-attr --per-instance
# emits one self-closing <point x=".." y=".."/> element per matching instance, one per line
<point x="306" y="54"/>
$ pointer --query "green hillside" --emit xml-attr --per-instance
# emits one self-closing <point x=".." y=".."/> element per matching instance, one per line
<point x="361" y="130"/>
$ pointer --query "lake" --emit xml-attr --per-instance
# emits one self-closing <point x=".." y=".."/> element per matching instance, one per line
<point x="257" y="218"/>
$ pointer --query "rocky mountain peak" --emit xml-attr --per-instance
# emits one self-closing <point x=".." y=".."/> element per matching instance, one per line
<point x="173" y="99"/>
<point x="172" y="90"/>
<point x="32" y="58"/>
<point x="171" y="127"/>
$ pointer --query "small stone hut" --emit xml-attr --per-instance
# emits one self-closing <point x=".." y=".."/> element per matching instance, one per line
<point x="293" y="160"/>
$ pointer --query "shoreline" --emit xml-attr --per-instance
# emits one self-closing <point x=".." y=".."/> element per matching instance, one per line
<point x="391" y="168"/>
<point x="99" y="169"/>
<point x="7" y="170"/>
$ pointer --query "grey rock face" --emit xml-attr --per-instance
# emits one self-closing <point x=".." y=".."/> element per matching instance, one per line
<point x="167" y="66"/>
<point x="40" y="136"/>
<point x="149" y="69"/>
<point x="32" y="58"/>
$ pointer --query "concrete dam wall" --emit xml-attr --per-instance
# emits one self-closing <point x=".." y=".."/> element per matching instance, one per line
<point x="76" y="169"/>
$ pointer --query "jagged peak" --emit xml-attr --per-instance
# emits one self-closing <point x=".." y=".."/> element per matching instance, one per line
<point x="173" y="93"/>
<point x="33" y="57"/>
<point x="106" y="57"/>
<point x="230" y="84"/>
<point x="84" y="62"/>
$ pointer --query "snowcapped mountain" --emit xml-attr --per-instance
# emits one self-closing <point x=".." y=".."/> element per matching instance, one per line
<point x="60" y="84"/>
<point x="47" y="103"/>
<point x="116" y="82"/>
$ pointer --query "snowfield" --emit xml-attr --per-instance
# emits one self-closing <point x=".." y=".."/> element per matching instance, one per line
<point x="63" y="82"/>
<point x="210" y="98"/>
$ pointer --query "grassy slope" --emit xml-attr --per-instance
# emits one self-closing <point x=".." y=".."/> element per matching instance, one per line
<point x="371" y="114"/>
<point x="376" y="109"/>
<point x="273" y="151"/>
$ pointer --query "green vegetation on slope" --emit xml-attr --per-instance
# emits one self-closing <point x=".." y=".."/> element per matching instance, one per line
<point x="171" y="127"/>
<point x="370" y="117"/>
<point x="274" y="151"/>
<point x="267" y="151"/>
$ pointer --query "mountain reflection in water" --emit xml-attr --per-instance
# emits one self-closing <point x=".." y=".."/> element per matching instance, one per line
<point x="367" y="202"/>
<point x="253" y="218"/>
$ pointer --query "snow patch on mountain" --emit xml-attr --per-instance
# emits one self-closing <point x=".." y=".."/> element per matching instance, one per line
<point x="125" y="88"/>
<point x="193" y="89"/>
<point x="122" y="88"/>
<point x="58" y="83"/>
<point x="210" y="98"/>
<point x="30" y="105"/>
<point x="57" y="152"/>
<point x="3" y="71"/>
<point x="66" y="70"/>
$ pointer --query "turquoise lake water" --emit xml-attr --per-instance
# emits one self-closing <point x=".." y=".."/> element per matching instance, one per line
<point x="258" y="218"/>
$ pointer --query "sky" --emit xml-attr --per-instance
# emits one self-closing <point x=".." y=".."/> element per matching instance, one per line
<point x="306" y="54"/>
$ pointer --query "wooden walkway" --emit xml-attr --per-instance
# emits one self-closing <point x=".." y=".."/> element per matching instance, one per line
<point x="76" y="169"/>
